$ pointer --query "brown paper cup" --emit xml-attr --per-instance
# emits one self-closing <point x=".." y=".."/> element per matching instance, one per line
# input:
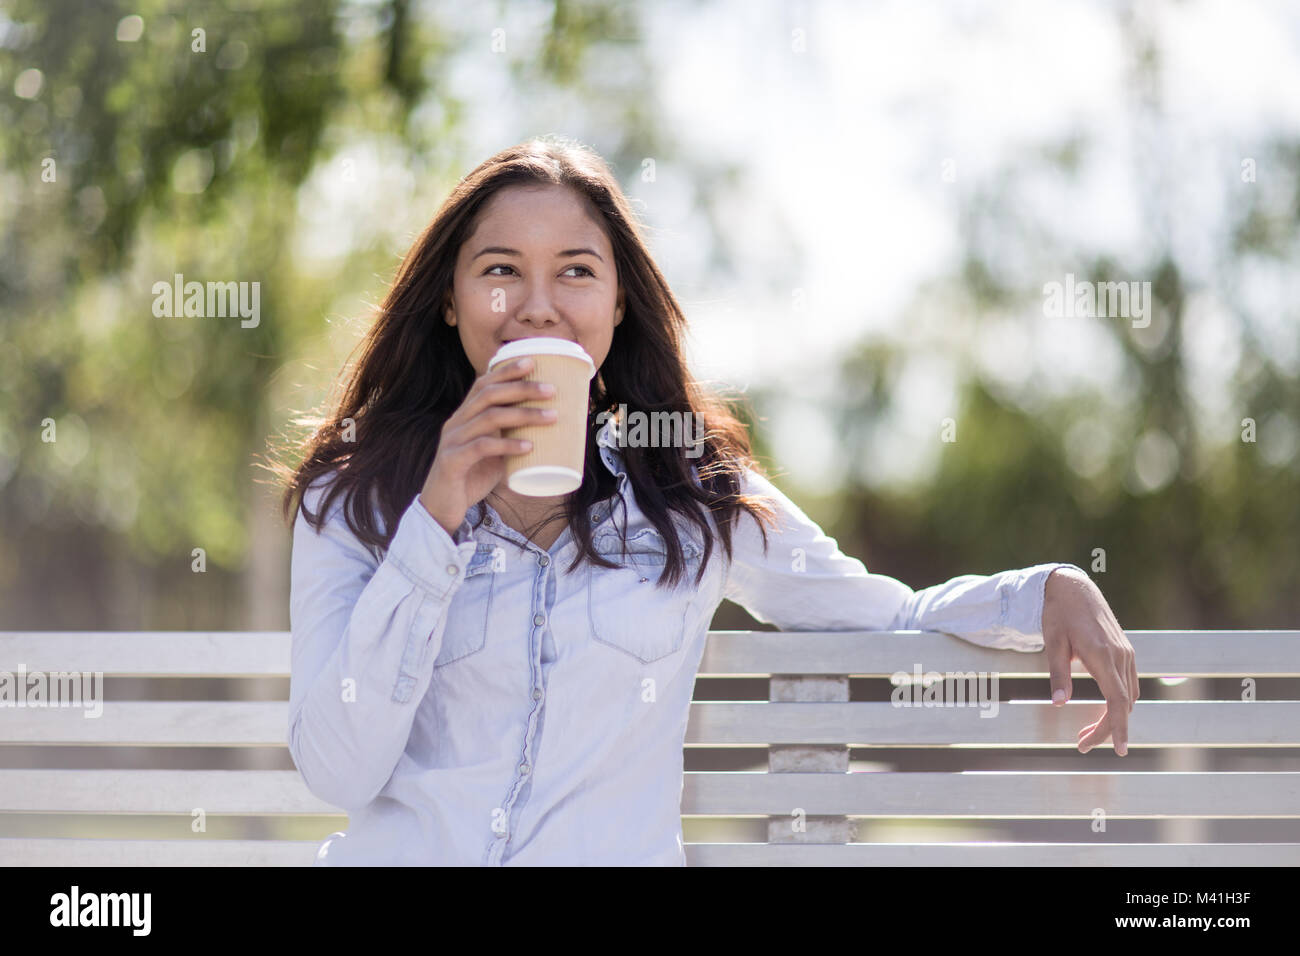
<point x="554" y="465"/>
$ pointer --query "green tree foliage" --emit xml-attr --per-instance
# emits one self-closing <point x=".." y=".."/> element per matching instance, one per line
<point x="144" y="141"/>
<point x="147" y="140"/>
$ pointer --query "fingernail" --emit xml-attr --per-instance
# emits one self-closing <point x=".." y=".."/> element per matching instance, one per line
<point x="1122" y="750"/>
<point x="1058" y="696"/>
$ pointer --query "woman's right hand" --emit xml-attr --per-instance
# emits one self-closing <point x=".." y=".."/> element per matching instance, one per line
<point x="470" y="460"/>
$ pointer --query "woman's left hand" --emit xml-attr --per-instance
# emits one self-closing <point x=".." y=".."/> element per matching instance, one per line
<point x="1078" y="623"/>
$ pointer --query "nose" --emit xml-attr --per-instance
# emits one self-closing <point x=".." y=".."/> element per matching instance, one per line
<point x="537" y="309"/>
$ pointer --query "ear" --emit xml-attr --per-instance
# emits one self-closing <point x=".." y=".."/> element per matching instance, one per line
<point x="449" y="311"/>
<point x="618" y="308"/>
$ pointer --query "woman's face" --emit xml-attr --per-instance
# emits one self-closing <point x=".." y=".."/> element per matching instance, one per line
<point x="536" y="265"/>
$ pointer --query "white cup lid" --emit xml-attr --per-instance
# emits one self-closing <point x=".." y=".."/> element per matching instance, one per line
<point x="541" y="345"/>
<point x="544" y="481"/>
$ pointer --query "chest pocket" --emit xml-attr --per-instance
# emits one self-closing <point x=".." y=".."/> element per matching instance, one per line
<point x="467" y="615"/>
<point x="628" y="611"/>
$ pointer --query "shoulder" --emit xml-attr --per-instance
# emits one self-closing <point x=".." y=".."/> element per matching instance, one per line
<point x="753" y="483"/>
<point x="329" y="505"/>
<point x="329" y="530"/>
<point x="313" y="499"/>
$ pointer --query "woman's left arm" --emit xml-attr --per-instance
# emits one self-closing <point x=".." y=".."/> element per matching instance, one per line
<point x="804" y="582"/>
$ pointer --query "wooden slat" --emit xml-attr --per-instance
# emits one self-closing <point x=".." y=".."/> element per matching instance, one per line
<point x="66" y="852"/>
<point x="994" y="854"/>
<point x="971" y="794"/>
<point x="729" y="653"/>
<point x="1017" y="724"/>
<point x="995" y="795"/>
<point x="861" y="724"/>
<point x="252" y="792"/>
<point x="150" y="653"/>
<point x="883" y="653"/>
<point x="153" y="724"/>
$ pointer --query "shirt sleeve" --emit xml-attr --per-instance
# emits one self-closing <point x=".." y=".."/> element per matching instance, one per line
<point x="805" y="583"/>
<point x="365" y="633"/>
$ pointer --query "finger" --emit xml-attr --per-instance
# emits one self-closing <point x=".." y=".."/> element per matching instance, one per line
<point x="511" y="389"/>
<point x="490" y="425"/>
<point x="1103" y="664"/>
<point x="1134" y="682"/>
<point x="1094" y="734"/>
<point x="511" y="369"/>
<point x="1058" y="670"/>
<point x="1127" y="664"/>
<point x="505" y="372"/>
<point x="496" y="419"/>
<point x="1117" y="708"/>
<point x="489" y="446"/>
<point x="1114" y="723"/>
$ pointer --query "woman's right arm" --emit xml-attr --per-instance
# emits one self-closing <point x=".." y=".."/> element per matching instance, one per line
<point x="365" y="635"/>
<point x="366" y="632"/>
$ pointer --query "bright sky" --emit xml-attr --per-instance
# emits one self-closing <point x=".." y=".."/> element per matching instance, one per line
<point x="843" y="148"/>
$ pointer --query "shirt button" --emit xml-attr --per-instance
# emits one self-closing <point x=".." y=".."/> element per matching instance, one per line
<point x="452" y="569"/>
<point x="523" y="768"/>
<point x="501" y="834"/>
<point x="539" y="619"/>
<point x="537" y="693"/>
<point x="543" y="560"/>
<point x="488" y="521"/>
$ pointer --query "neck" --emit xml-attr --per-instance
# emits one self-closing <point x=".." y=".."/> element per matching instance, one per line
<point x="524" y="507"/>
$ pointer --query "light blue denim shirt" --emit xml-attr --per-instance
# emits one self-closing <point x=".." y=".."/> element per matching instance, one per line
<point x="467" y="702"/>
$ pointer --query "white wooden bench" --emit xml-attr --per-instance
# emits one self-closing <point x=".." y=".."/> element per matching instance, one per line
<point x="807" y="797"/>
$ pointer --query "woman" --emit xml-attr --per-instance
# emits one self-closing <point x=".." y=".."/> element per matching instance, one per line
<point x="484" y="678"/>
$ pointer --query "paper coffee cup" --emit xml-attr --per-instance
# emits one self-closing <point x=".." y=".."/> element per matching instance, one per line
<point x="554" y="465"/>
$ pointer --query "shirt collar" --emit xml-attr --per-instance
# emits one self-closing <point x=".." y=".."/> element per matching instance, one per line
<point x="606" y="443"/>
<point x="612" y="455"/>
<point x="609" y="450"/>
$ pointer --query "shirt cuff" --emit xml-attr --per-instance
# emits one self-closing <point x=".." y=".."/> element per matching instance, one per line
<point x="423" y="551"/>
<point x="1025" y="615"/>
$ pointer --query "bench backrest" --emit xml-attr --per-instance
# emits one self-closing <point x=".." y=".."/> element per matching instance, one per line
<point x="805" y="735"/>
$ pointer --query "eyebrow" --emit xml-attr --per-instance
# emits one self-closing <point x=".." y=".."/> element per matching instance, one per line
<point x="564" y="254"/>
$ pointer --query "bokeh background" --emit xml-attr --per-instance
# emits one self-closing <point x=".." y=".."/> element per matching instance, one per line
<point x="858" y="204"/>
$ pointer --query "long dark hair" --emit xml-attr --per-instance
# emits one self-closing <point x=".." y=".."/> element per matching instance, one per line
<point x="412" y="374"/>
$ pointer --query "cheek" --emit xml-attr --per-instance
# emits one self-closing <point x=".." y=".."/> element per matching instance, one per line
<point x="476" y="300"/>
<point x="476" y="337"/>
<point x="598" y="312"/>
